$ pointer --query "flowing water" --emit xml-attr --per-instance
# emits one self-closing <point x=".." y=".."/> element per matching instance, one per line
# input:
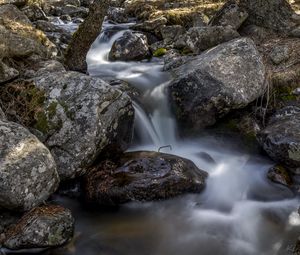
<point x="239" y="212"/>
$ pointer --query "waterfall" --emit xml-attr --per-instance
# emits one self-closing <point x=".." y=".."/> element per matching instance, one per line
<point x="232" y="215"/>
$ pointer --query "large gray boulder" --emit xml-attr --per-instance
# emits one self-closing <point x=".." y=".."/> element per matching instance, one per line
<point x="27" y="170"/>
<point x="227" y="77"/>
<point x="198" y="39"/>
<point x="281" y="138"/>
<point x="143" y="176"/>
<point x="43" y="227"/>
<point x="83" y="117"/>
<point x="131" y="46"/>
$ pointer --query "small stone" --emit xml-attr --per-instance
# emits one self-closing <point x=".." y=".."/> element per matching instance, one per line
<point x="280" y="54"/>
<point x="42" y="227"/>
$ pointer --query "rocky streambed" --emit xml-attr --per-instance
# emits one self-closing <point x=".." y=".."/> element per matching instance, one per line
<point x="182" y="138"/>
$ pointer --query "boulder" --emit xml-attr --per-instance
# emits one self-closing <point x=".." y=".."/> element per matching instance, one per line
<point x="27" y="170"/>
<point x="227" y="77"/>
<point x="34" y="12"/>
<point x="281" y="138"/>
<point x="82" y="118"/>
<point x="170" y="34"/>
<point x="279" y="174"/>
<point x="131" y="46"/>
<point x="231" y="14"/>
<point x="71" y="10"/>
<point x="19" y="40"/>
<point x="151" y="25"/>
<point x="14" y="2"/>
<point x="7" y="218"/>
<point x="42" y="227"/>
<point x="142" y="176"/>
<point x="198" y="39"/>
<point x="117" y="14"/>
<point x="2" y="115"/>
<point x="7" y="73"/>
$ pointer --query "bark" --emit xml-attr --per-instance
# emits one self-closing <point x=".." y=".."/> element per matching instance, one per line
<point x="75" y="58"/>
<point x="272" y="14"/>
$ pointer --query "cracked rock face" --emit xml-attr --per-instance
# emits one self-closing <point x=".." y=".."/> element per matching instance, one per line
<point x="28" y="173"/>
<point x="42" y="227"/>
<point x="227" y="77"/>
<point x="83" y="117"/>
<point x="281" y="138"/>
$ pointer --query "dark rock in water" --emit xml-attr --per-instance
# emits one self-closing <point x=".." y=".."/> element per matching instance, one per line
<point x="27" y="169"/>
<point x="207" y="88"/>
<point x="42" y="227"/>
<point x="117" y="14"/>
<point x="206" y="157"/>
<point x="125" y="87"/>
<point x="231" y="14"/>
<point x="142" y="176"/>
<point x="281" y="138"/>
<point x="280" y="175"/>
<point x="82" y="117"/>
<point x="198" y="39"/>
<point x="131" y="46"/>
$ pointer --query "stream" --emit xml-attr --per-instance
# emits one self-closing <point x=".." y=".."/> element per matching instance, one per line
<point x="239" y="212"/>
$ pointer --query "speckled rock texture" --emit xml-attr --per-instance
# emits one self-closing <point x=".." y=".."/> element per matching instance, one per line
<point x="42" y="227"/>
<point x="28" y="173"/>
<point x="231" y="14"/>
<point x="129" y="47"/>
<point x="198" y="39"/>
<point x="281" y="138"/>
<point x="227" y="77"/>
<point x="2" y="115"/>
<point x="83" y="117"/>
<point x="143" y="176"/>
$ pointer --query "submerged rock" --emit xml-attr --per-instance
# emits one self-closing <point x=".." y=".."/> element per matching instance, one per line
<point x="198" y="39"/>
<point x="43" y="227"/>
<point x="208" y="87"/>
<point x="82" y="118"/>
<point x="143" y="176"/>
<point x="281" y="138"/>
<point x="131" y="46"/>
<point x="27" y="170"/>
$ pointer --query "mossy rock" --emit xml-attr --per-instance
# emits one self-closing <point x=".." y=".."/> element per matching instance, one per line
<point x="160" y="52"/>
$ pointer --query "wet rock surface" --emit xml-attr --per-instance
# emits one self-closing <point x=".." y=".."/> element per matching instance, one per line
<point x="82" y="117"/>
<point x="207" y="88"/>
<point x="143" y="176"/>
<point x="27" y="170"/>
<point x="281" y="138"/>
<point x="42" y="227"/>
<point x="131" y="46"/>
